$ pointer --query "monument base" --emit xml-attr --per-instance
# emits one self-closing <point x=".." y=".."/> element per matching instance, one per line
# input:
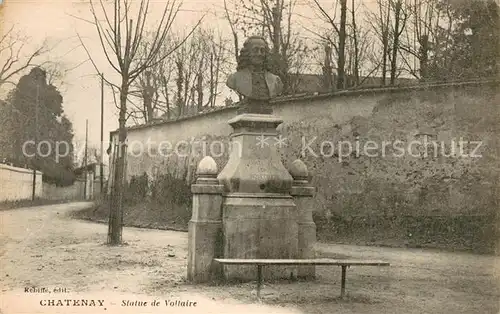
<point x="307" y="239"/>
<point x="259" y="226"/>
<point x="204" y="244"/>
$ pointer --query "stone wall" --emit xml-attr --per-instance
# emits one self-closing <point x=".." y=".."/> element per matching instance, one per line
<point x="17" y="183"/>
<point x="71" y="192"/>
<point x="385" y="184"/>
<point x="74" y="191"/>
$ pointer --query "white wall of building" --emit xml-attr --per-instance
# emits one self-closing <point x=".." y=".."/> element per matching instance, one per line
<point x="17" y="183"/>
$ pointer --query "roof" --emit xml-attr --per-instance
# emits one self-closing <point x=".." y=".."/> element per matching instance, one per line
<point x="89" y="167"/>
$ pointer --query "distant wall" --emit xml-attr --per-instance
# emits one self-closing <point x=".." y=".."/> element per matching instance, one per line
<point x="17" y="183"/>
<point x="71" y="192"/>
<point x="96" y="184"/>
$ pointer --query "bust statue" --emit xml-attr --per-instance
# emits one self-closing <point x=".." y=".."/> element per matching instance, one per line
<point x="252" y="78"/>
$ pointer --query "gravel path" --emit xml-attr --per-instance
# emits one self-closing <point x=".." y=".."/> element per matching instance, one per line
<point x="44" y="247"/>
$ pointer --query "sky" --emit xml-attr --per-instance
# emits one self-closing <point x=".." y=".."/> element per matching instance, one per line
<point x="59" y="21"/>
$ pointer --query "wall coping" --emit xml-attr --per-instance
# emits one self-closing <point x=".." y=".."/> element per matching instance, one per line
<point x="321" y="96"/>
<point x="20" y="170"/>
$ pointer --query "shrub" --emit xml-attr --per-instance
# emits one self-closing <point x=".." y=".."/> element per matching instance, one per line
<point x="167" y="189"/>
<point x="137" y="189"/>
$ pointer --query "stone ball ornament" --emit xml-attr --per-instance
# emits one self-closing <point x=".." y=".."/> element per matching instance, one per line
<point x="298" y="170"/>
<point x="207" y="166"/>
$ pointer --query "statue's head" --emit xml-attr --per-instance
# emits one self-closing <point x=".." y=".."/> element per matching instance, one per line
<point x="255" y="52"/>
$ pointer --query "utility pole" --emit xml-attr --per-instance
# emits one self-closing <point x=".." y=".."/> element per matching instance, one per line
<point x="85" y="161"/>
<point x="101" y="166"/>
<point x="33" y="193"/>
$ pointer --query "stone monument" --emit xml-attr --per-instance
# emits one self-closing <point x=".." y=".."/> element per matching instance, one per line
<point x="255" y="207"/>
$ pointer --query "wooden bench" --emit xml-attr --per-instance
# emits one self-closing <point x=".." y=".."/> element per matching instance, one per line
<point x="344" y="263"/>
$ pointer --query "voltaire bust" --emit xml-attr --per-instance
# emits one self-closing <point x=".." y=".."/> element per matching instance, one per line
<point x="252" y="78"/>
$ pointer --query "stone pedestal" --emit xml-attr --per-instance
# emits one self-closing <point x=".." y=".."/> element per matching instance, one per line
<point x="302" y="193"/>
<point x="259" y="227"/>
<point x="259" y="215"/>
<point x="205" y="227"/>
<point x="254" y="164"/>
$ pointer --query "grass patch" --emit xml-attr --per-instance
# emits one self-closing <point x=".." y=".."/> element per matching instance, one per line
<point x="146" y="214"/>
<point x="478" y="234"/>
<point x="164" y="203"/>
<point x="6" y="205"/>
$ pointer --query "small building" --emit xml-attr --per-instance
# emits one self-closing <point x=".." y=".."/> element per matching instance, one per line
<point x="91" y="177"/>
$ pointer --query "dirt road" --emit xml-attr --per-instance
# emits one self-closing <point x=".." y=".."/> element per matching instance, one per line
<point x="44" y="248"/>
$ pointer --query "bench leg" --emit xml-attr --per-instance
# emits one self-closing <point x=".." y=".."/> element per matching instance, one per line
<point x="342" y="283"/>
<point x="259" y="279"/>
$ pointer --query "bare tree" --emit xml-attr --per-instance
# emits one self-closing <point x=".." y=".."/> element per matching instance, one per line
<point x="420" y="35"/>
<point x="380" y="23"/>
<point x="359" y="49"/>
<point x="185" y="82"/>
<point x="197" y="68"/>
<point x="342" y="42"/>
<point x="152" y="89"/>
<point x="232" y="24"/>
<point x="214" y="60"/>
<point x="121" y="39"/>
<point x="355" y="44"/>
<point x="146" y="89"/>
<point x="93" y="156"/>
<point x="166" y="70"/>
<point x="273" y="19"/>
<point x="12" y="48"/>
<point x="400" y="17"/>
<point x="186" y="65"/>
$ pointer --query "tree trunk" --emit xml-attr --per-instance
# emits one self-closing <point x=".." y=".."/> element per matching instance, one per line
<point x="280" y="66"/>
<point x="423" y="56"/>
<point x="385" y="45"/>
<point x="167" y="100"/>
<point x="148" y="105"/>
<point x="342" y="38"/>
<point x="236" y="51"/>
<point x="147" y="95"/>
<point x="276" y="30"/>
<point x="212" y="80"/>
<point x="199" y="86"/>
<point x="327" y="69"/>
<point x="179" y="101"/>
<point x="116" y="215"/>
<point x="356" y="46"/>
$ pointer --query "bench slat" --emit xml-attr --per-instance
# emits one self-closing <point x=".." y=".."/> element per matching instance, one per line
<point x="325" y="261"/>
